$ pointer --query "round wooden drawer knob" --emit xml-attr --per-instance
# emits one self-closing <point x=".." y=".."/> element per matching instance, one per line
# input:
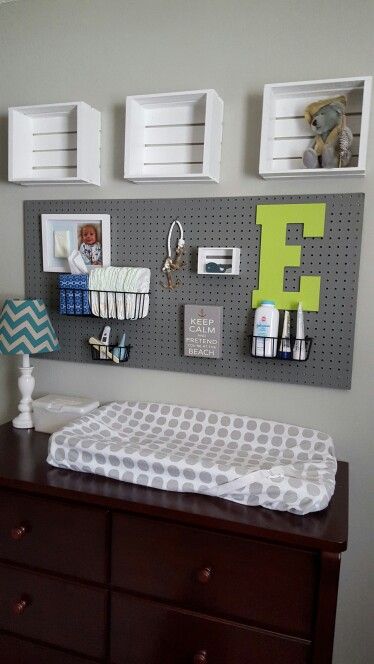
<point x="19" y="532"/>
<point x="205" y="574"/>
<point x="20" y="606"/>
<point x="200" y="657"/>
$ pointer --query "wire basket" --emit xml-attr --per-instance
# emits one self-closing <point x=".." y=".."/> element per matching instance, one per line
<point x="103" y="304"/>
<point x="269" y="348"/>
<point x="110" y="353"/>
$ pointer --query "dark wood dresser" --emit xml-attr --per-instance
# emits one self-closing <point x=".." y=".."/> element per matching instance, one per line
<point x="95" y="570"/>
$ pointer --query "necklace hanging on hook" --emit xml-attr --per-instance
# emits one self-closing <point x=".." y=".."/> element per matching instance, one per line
<point x="172" y="264"/>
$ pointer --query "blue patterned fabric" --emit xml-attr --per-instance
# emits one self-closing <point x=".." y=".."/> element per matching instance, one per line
<point x="25" y="328"/>
<point x="74" y="298"/>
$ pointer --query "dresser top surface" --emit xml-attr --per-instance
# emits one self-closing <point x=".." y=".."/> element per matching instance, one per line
<point x="23" y="467"/>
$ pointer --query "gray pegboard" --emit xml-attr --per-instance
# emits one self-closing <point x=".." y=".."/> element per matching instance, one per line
<point x="139" y="229"/>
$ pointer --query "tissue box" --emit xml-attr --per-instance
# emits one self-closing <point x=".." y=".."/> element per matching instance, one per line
<point x="74" y="300"/>
<point x="55" y="410"/>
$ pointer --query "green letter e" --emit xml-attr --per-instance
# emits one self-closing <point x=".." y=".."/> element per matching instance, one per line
<point x="276" y="255"/>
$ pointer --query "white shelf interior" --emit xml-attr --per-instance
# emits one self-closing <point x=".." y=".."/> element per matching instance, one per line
<point x="54" y="144"/>
<point x="227" y="257"/>
<point x="173" y="137"/>
<point x="285" y="133"/>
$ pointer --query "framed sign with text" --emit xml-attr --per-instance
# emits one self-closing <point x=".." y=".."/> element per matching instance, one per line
<point x="202" y="331"/>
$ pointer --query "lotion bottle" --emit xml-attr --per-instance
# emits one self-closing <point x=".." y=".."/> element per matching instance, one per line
<point x="285" y="345"/>
<point x="120" y="351"/>
<point x="266" y="324"/>
<point x="299" y="349"/>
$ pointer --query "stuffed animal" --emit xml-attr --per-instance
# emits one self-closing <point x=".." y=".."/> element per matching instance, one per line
<point x="331" y="148"/>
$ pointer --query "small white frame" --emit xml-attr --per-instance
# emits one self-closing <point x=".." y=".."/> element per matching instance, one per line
<point x="285" y="134"/>
<point x="54" y="144"/>
<point x="220" y="255"/>
<point x="72" y="223"/>
<point x="173" y="137"/>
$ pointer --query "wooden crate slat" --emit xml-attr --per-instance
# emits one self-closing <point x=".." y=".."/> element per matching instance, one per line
<point x="287" y="164"/>
<point x="54" y="173"/>
<point x="169" y="135"/>
<point x="55" y="141"/>
<point x="54" y="159"/>
<point x="297" y="164"/>
<point x="173" y="154"/>
<point x="298" y="127"/>
<point x="285" y="148"/>
<point x="168" y="170"/>
<point x="291" y="107"/>
<point x="54" y="124"/>
<point x="175" y="115"/>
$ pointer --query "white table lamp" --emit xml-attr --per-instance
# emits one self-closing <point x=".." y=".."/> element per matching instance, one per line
<point x="25" y="329"/>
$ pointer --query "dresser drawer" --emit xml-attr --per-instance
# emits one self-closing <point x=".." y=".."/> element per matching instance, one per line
<point x="265" y="585"/>
<point x="65" y="614"/>
<point x="18" y="651"/>
<point x="52" y="535"/>
<point x="145" y="632"/>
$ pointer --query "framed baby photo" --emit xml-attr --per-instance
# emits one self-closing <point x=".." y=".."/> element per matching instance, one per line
<point x="86" y="236"/>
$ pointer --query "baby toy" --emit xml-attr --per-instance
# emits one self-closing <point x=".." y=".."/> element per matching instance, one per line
<point x="332" y="145"/>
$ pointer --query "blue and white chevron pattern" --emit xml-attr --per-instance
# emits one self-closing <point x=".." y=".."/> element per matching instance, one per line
<point x="25" y="328"/>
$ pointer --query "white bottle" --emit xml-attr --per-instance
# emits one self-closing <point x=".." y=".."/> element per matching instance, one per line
<point x="266" y="324"/>
<point x="299" y="349"/>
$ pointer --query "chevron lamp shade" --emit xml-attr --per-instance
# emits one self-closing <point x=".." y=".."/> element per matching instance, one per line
<point x="25" y="328"/>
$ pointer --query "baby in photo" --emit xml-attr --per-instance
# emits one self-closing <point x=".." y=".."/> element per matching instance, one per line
<point x="90" y="247"/>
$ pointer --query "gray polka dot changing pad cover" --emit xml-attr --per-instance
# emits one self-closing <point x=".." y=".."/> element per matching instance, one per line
<point x="176" y="448"/>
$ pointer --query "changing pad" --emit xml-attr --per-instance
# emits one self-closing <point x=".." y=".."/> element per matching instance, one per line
<point x="242" y="459"/>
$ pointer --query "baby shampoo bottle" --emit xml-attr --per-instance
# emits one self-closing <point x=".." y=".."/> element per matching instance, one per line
<point x="265" y="330"/>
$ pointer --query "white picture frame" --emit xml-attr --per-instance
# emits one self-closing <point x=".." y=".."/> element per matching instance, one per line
<point x="68" y="231"/>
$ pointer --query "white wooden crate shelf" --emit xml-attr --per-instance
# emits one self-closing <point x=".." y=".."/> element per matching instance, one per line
<point x="173" y="137"/>
<point x="285" y="134"/>
<point x="54" y="144"/>
<point x="228" y="258"/>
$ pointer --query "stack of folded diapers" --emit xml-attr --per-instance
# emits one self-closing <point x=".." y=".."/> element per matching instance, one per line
<point x="120" y="292"/>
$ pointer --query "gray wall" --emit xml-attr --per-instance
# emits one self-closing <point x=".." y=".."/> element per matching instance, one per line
<point x="101" y="50"/>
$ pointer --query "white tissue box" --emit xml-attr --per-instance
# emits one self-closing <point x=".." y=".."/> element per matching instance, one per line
<point x="53" y="411"/>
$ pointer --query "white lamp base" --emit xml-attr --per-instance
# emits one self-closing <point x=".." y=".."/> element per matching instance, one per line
<point x="26" y="384"/>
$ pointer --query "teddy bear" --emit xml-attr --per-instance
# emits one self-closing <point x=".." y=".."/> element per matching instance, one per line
<point x="332" y="145"/>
